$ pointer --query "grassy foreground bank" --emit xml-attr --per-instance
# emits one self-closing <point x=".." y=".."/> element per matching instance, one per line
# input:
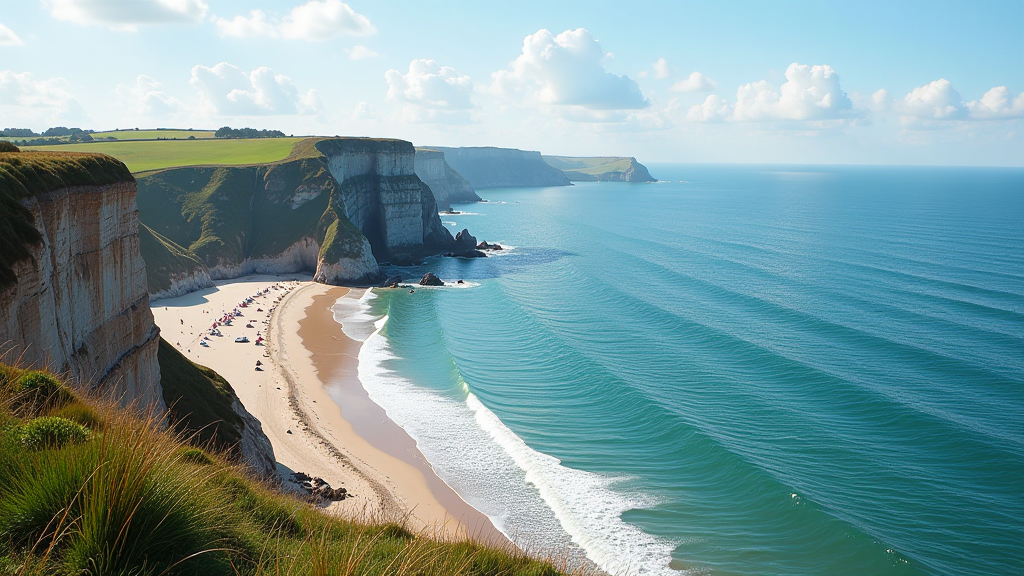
<point x="89" y="488"/>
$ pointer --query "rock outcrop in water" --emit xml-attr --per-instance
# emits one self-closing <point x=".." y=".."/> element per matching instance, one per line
<point x="447" y="185"/>
<point x="73" y="297"/>
<point x="502" y="167"/>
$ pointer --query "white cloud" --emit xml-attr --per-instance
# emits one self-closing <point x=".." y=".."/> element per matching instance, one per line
<point x="880" y="100"/>
<point x="431" y="92"/>
<point x="8" y="37"/>
<point x="253" y="25"/>
<point x="566" y="70"/>
<point x="146" y="97"/>
<point x="714" y="109"/>
<point x="809" y="93"/>
<point x="934" y="101"/>
<point x="360" y="52"/>
<point x="228" y="90"/>
<point x="38" y="101"/>
<point x="997" y="104"/>
<point x="661" y="68"/>
<point x="315" y="20"/>
<point x="696" y="82"/>
<point x="24" y="90"/>
<point x="127" y="14"/>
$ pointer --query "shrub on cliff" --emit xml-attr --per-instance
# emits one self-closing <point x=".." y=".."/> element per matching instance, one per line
<point x="51" y="432"/>
<point x="42" y="391"/>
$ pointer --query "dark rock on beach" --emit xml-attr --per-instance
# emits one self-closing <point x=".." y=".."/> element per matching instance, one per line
<point x="429" y="279"/>
<point x="483" y="245"/>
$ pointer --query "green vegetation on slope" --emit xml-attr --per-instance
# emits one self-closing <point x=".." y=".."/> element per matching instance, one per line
<point x="156" y="154"/>
<point x="165" y="260"/>
<point x="593" y="165"/>
<point x="137" y="499"/>
<point x="198" y="400"/>
<point x="24" y="174"/>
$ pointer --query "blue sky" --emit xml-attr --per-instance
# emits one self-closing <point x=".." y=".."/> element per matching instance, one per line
<point x="795" y="82"/>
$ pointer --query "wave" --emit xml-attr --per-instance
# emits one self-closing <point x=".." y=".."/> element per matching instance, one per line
<point x="355" y="314"/>
<point x="528" y="495"/>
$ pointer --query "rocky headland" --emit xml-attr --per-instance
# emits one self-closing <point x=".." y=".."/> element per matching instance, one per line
<point x="489" y="167"/>
<point x="447" y="185"/>
<point x="601" y="169"/>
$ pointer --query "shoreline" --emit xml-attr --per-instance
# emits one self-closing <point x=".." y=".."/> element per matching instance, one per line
<point x="306" y="354"/>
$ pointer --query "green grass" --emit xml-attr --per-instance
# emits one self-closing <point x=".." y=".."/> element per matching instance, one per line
<point x="165" y="260"/>
<point x="154" y="155"/>
<point x="137" y="500"/>
<point x="199" y="400"/>
<point x="593" y="165"/>
<point x="152" y="134"/>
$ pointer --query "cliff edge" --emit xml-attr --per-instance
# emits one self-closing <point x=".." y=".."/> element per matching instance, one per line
<point x="490" y="167"/>
<point x="72" y="280"/>
<point x="447" y="185"/>
<point x="601" y="169"/>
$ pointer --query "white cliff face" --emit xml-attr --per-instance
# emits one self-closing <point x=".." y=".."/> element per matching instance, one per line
<point x="349" y="270"/>
<point x="300" y="256"/>
<point x="80" y="305"/>
<point x="447" y="185"/>
<point x="183" y="284"/>
<point x="382" y="196"/>
<point x="257" y="452"/>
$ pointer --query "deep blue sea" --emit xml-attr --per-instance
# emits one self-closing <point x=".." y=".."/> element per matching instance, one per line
<point x="739" y="370"/>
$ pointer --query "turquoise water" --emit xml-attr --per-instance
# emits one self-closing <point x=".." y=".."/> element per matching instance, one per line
<point x="746" y="370"/>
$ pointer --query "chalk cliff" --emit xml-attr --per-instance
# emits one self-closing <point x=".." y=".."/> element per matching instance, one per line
<point x="334" y="209"/>
<point x="382" y="196"/>
<point x="74" y="296"/>
<point x="601" y="169"/>
<point x="447" y="185"/>
<point x="499" y="167"/>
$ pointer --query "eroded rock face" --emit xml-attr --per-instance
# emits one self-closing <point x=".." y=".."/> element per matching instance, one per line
<point x="489" y="167"/>
<point x="382" y="196"/>
<point x="80" y="304"/>
<point x="430" y="279"/>
<point x="360" y="269"/>
<point x="447" y="185"/>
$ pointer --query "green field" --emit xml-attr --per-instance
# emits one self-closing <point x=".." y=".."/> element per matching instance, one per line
<point x="156" y="154"/>
<point x="592" y="165"/>
<point x="152" y="134"/>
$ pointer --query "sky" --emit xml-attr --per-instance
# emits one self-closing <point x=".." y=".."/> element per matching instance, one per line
<point x="798" y="82"/>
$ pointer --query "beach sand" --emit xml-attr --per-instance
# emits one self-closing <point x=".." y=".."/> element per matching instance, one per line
<point x="306" y="350"/>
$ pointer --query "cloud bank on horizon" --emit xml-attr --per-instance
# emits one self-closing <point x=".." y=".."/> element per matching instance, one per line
<point x="556" y="84"/>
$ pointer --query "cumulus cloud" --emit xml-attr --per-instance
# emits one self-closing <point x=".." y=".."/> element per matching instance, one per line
<point x="809" y="93"/>
<point x="662" y="69"/>
<point x="22" y="89"/>
<point x="880" y="100"/>
<point x="432" y="92"/>
<point x="713" y="109"/>
<point x="8" y="37"/>
<point x="566" y="70"/>
<point x="695" y="82"/>
<point x="997" y="104"/>
<point x="230" y="91"/>
<point x="127" y="14"/>
<point x="934" y="101"/>
<point x="315" y="20"/>
<point x="359" y="52"/>
<point x="147" y="97"/>
<point x="45" y="100"/>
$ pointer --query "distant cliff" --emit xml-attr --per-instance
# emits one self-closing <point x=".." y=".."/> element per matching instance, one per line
<point x="72" y="281"/>
<point x="502" y="167"/>
<point x="601" y="169"/>
<point x="447" y="185"/>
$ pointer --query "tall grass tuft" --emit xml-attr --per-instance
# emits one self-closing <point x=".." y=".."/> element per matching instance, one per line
<point x="136" y="499"/>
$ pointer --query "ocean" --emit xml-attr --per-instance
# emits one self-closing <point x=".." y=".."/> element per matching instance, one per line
<point x="738" y="370"/>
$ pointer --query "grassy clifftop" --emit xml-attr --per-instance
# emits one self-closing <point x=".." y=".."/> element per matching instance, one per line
<point x="24" y="174"/>
<point x="87" y="488"/>
<point x="600" y="168"/>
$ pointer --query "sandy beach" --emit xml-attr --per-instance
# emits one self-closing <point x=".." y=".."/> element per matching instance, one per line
<point x="305" y="351"/>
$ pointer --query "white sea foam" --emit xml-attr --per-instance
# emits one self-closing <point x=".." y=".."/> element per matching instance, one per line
<point x="352" y="311"/>
<point x="528" y="495"/>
